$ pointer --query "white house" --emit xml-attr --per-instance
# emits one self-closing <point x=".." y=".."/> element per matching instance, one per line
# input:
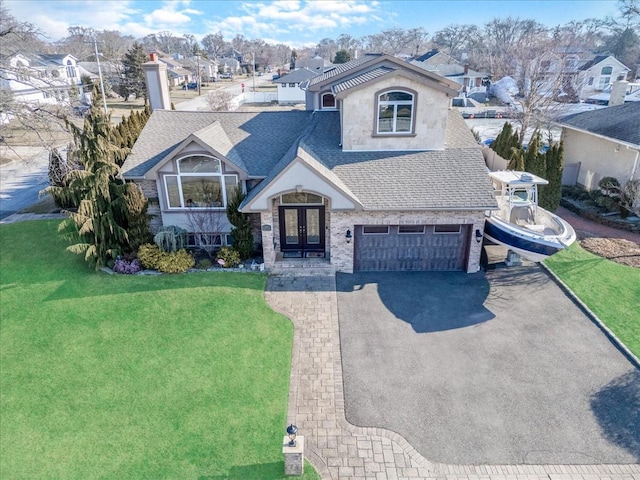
<point x="599" y="73"/>
<point x="42" y="78"/>
<point x="471" y="81"/>
<point x="289" y="91"/>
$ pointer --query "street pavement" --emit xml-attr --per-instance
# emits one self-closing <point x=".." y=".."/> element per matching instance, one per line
<point x="22" y="179"/>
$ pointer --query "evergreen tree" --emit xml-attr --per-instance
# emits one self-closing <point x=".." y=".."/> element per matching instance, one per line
<point x="342" y="56"/>
<point x="133" y="81"/>
<point x="111" y="214"/>
<point x="550" y="194"/>
<point x="534" y="161"/>
<point x="241" y="233"/>
<point x="507" y="145"/>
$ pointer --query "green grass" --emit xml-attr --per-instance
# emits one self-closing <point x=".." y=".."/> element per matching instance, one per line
<point x="610" y="290"/>
<point x="114" y="376"/>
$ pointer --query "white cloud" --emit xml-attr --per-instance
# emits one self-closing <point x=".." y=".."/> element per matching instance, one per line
<point x="287" y="17"/>
<point x="53" y="18"/>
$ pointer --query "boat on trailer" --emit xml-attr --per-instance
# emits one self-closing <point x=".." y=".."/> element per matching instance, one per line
<point x="520" y="224"/>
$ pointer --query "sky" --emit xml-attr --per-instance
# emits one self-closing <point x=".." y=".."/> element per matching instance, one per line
<point x="293" y="22"/>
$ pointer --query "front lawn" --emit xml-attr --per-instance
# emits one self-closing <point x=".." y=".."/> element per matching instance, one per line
<point x="610" y="290"/>
<point x="114" y="376"/>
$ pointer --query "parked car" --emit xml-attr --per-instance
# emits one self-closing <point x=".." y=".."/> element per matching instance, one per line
<point x="227" y="75"/>
<point x="275" y="77"/>
<point x="190" y="86"/>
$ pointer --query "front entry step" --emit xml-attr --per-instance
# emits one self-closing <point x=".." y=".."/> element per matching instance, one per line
<point x="302" y="267"/>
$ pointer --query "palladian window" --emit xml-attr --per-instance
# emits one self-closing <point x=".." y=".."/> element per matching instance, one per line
<point x="395" y="112"/>
<point x="200" y="183"/>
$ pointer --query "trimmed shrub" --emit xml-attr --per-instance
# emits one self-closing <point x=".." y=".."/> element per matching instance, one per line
<point x="175" y="262"/>
<point x="203" y="264"/>
<point x="609" y="185"/>
<point x="152" y="257"/>
<point x="228" y="258"/>
<point x="128" y="267"/>
<point x="171" y="238"/>
<point x="149" y="256"/>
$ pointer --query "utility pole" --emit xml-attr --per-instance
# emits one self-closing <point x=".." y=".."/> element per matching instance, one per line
<point x="199" y="77"/>
<point x="104" y="93"/>
<point x="253" y="61"/>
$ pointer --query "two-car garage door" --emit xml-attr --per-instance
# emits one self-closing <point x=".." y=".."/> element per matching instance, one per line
<point x="411" y="247"/>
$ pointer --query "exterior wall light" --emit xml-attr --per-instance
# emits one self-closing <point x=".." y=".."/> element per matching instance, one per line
<point x="478" y="235"/>
<point x="292" y="431"/>
<point x="348" y="236"/>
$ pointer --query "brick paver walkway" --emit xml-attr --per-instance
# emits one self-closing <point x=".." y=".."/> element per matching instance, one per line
<point x="340" y="450"/>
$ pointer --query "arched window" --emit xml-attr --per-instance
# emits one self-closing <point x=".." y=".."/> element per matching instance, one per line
<point x="199" y="183"/>
<point x="71" y="70"/>
<point x="328" y="100"/>
<point x="605" y="77"/>
<point x="395" y="112"/>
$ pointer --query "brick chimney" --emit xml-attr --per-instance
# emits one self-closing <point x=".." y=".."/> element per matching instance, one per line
<point x="466" y="68"/>
<point x="155" y="74"/>
<point x="618" y="92"/>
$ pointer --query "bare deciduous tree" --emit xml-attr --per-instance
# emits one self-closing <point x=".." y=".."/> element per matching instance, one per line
<point x="219" y="101"/>
<point x="206" y="226"/>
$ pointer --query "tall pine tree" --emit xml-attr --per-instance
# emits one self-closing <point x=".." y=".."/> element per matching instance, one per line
<point x="107" y="206"/>
<point x="133" y="81"/>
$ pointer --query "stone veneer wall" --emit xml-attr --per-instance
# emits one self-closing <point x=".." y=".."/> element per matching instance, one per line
<point x="150" y="190"/>
<point x="342" y="252"/>
<point x="272" y="218"/>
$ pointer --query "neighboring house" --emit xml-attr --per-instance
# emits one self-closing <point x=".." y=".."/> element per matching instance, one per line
<point x="177" y="75"/>
<point x="42" y="78"/>
<point x="604" y="143"/>
<point x="316" y="64"/>
<point x="379" y="173"/>
<point x="439" y="62"/>
<point x="229" y="65"/>
<point x="598" y="73"/>
<point x="208" y="68"/>
<point x="289" y="91"/>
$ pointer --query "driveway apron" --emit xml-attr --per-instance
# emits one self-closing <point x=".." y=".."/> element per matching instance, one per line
<point x="340" y="450"/>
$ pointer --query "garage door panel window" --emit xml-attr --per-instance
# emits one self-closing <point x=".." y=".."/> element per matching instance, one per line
<point x="375" y="229"/>
<point x="411" y="229"/>
<point x="447" y="229"/>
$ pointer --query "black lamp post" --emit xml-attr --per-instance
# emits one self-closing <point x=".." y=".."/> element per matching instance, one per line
<point x="292" y="431"/>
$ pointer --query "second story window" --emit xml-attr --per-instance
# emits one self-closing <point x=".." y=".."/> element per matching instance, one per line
<point x="71" y="70"/>
<point x="328" y="100"/>
<point x="395" y="112"/>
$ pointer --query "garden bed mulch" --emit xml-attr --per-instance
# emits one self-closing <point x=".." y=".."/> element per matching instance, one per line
<point x="617" y="250"/>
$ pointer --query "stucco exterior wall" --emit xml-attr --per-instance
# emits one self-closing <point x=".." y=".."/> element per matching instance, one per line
<point x="359" y="113"/>
<point x="599" y="158"/>
<point x="342" y="252"/>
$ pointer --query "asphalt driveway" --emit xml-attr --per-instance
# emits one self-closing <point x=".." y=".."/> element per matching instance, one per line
<point x="495" y="368"/>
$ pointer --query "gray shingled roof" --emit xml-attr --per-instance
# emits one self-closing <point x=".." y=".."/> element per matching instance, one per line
<point x="260" y="139"/>
<point x="297" y="76"/>
<point x="618" y="123"/>
<point x="455" y="178"/>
